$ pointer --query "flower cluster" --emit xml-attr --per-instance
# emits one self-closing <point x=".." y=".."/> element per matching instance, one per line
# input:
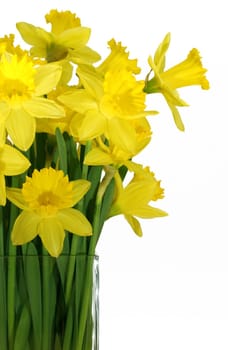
<point x="70" y="125"/>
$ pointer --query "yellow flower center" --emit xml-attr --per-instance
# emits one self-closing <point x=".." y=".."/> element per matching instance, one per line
<point x="48" y="191"/>
<point x="123" y="95"/>
<point x="16" y="78"/>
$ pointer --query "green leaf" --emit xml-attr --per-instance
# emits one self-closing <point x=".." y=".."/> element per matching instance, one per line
<point x="84" y="286"/>
<point x="94" y="177"/>
<point x="107" y="202"/>
<point x="23" y="329"/>
<point x="62" y="150"/>
<point x="67" y="337"/>
<point x="74" y="166"/>
<point x="49" y="288"/>
<point x="34" y="289"/>
<point x="62" y="263"/>
<point x="40" y="151"/>
<point x="3" y="310"/>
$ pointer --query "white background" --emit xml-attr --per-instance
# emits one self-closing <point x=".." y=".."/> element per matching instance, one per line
<point x="169" y="289"/>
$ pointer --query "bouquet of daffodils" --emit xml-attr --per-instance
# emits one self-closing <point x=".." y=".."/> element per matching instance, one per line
<point x="71" y="124"/>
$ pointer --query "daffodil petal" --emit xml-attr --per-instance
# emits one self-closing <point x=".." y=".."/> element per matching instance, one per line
<point x="75" y="222"/>
<point x="25" y="228"/>
<point x="46" y="78"/>
<point x="33" y="35"/>
<point x="84" y="55"/>
<point x="67" y="73"/>
<point x="159" y="57"/>
<point x="92" y="80"/>
<point x="21" y="127"/>
<point x="135" y="225"/>
<point x="136" y="193"/>
<point x="13" y="161"/>
<point x="122" y="135"/>
<point x="172" y="96"/>
<point x="143" y="191"/>
<point x="2" y="190"/>
<point x="15" y="196"/>
<point x="2" y="133"/>
<point x="4" y="110"/>
<point x="52" y="234"/>
<point x="80" y="188"/>
<point x="147" y="211"/>
<point x="92" y="126"/>
<point x="78" y="101"/>
<point x="74" y="37"/>
<point x="97" y="157"/>
<point x="176" y="116"/>
<point x="43" y="108"/>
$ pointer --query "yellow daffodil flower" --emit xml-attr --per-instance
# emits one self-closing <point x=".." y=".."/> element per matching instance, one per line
<point x="12" y="162"/>
<point x="132" y="201"/>
<point x="107" y="105"/>
<point x="106" y="155"/>
<point x="67" y="39"/>
<point x="47" y="199"/>
<point x="111" y="154"/>
<point x="188" y="72"/>
<point x="22" y="86"/>
<point x="118" y="57"/>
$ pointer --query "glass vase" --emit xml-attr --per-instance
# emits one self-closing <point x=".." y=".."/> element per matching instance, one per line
<point x="49" y="303"/>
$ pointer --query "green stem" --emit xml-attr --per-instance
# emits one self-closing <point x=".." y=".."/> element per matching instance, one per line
<point x="11" y="283"/>
<point x="2" y="243"/>
<point x="3" y="309"/>
<point x="71" y="268"/>
<point x="38" y="151"/>
<point x="46" y="340"/>
<point x="85" y="303"/>
<point x="96" y="228"/>
<point x="79" y="243"/>
<point x="11" y="288"/>
<point x="84" y="175"/>
<point x="97" y="224"/>
<point x="62" y="150"/>
<point x="74" y="167"/>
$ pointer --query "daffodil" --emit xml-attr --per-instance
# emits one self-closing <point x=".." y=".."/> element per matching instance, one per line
<point x="47" y="199"/>
<point x="12" y="162"/>
<point x="103" y="154"/>
<point x="187" y="73"/>
<point x="22" y="86"/>
<point x="67" y="39"/>
<point x="108" y="105"/>
<point x="118" y="57"/>
<point x="111" y="154"/>
<point x="133" y="200"/>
